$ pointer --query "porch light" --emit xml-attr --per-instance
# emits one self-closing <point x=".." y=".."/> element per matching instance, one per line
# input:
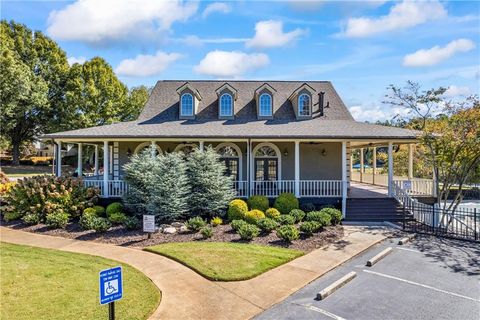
<point x="285" y="152"/>
<point x="324" y="152"/>
<point x="129" y="152"/>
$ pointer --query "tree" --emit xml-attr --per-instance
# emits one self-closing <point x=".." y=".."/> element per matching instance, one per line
<point x="450" y="134"/>
<point x="211" y="189"/>
<point x="137" y="97"/>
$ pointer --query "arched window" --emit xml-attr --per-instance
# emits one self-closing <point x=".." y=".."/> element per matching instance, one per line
<point x="186" y="148"/>
<point x="226" y="105"/>
<point x="304" y="105"/>
<point x="145" y="145"/>
<point x="231" y="155"/>
<point x="267" y="162"/>
<point x="186" y="108"/>
<point x="265" y="108"/>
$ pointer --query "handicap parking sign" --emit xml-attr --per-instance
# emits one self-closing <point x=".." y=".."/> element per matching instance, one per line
<point x="111" y="286"/>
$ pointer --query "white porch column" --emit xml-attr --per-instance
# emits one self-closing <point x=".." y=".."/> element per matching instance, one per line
<point x="79" y="160"/>
<point x="374" y="164"/>
<point x="344" y="179"/>
<point x="361" y="164"/>
<point x="153" y="149"/>
<point x="297" y="169"/>
<point x="96" y="160"/>
<point x="410" y="162"/>
<point x="250" y="168"/>
<point x="201" y="145"/>
<point x="390" y="169"/>
<point x="106" y="161"/>
<point x="59" y="159"/>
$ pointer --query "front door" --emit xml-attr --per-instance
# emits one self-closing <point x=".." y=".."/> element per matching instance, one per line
<point x="232" y="167"/>
<point x="266" y="169"/>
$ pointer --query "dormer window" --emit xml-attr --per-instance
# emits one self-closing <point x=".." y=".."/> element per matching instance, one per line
<point x="304" y="105"/>
<point x="186" y="109"/>
<point x="265" y="108"/>
<point x="226" y="105"/>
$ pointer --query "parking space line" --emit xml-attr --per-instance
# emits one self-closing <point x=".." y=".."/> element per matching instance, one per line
<point x="324" y="312"/>
<point x="407" y="249"/>
<point x="421" y="285"/>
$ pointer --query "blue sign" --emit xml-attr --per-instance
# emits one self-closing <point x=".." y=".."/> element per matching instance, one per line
<point x="111" y="286"/>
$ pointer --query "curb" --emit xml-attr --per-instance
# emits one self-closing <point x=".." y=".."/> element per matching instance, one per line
<point x="406" y="239"/>
<point x="379" y="256"/>
<point x="336" y="285"/>
<point x="392" y="225"/>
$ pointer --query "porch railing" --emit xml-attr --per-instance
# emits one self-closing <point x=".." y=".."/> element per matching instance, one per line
<point x="320" y="188"/>
<point x="272" y="188"/>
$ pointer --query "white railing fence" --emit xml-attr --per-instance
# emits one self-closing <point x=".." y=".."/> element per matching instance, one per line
<point x="320" y="188"/>
<point x="117" y="188"/>
<point x="94" y="184"/>
<point x="241" y="188"/>
<point x="272" y="188"/>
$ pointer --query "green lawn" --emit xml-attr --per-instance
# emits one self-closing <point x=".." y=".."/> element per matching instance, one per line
<point x="49" y="284"/>
<point x="221" y="261"/>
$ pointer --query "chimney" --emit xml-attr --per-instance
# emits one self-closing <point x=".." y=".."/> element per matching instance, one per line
<point x="321" y="99"/>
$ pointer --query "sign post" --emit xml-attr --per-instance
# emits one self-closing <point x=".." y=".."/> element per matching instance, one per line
<point x="111" y="288"/>
<point x="149" y="224"/>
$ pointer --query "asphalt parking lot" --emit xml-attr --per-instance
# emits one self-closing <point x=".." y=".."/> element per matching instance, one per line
<point x="428" y="278"/>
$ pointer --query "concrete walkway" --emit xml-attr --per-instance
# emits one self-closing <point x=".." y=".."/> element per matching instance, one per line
<point x="187" y="295"/>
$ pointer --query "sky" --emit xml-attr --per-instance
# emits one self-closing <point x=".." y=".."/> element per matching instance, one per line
<point x="361" y="47"/>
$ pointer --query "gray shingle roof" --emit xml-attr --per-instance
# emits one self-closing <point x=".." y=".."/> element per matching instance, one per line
<point x="160" y="116"/>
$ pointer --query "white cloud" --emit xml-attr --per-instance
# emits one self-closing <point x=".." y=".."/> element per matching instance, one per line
<point x="146" y="65"/>
<point x="196" y="41"/>
<point x="455" y="91"/>
<point x="216" y="7"/>
<point x="401" y="16"/>
<point x="373" y="113"/>
<point x="111" y="20"/>
<point x="230" y="64"/>
<point x="435" y="55"/>
<point x="72" y="60"/>
<point x="270" y="34"/>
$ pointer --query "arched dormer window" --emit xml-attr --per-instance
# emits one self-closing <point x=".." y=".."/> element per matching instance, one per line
<point x="304" y="105"/>
<point x="265" y="102"/>
<point x="226" y="105"/>
<point x="186" y="108"/>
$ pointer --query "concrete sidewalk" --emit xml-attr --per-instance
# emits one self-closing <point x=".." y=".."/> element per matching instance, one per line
<point x="187" y="295"/>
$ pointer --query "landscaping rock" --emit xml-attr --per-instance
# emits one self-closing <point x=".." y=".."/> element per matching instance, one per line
<point x="170" y="230"/>
<point x="164" y="226"/>
<point x="183" y="229"/>
<point x="177" y="224"/>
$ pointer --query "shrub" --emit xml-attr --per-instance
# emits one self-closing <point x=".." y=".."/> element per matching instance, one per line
<point x="254" y="215"/>
<point x="288" y="233"/>
<point x="90" y="211"/>
<point x="207" y="232"/>
<point x="286" y="219"/>
<point x="86" y="220"/>
<point x="31" y="218"/>
<point x="322" y="217"/>
<point x="216" y="221"/>
<point x="309" y="227"/>
<point x="267" y="224"/>
<point x="11" y="215"/>
<point x="248" y="231"/>
<point x="286" y="202"/>
<point x="57" y="219"/>
<point x="99" y="210"/>
<point x="258" y="202"/>
<point x="195" y="224"/>
<point x="236" y="224"/>
<point x="117" y="218"/>
<point x="335" y="214"/>
<point x="131" y="223"/>
<point x="41" y="195"/>
<point x="308" y="207"/>
<point x="100" y="224"/>
<point x="272" y="213"/>
<point x="297" y="214"/>
<point x="114" y="207"/>
<point x="237" y="210"/>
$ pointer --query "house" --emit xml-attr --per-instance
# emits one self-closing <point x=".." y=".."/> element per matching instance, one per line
<point x="274" y="136"/>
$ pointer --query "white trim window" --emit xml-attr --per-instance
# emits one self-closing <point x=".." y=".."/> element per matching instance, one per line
<point x="186" y="108"/>
<point x="265" y="107"/>
<point x="144" y="146"/>
<point x="304" y="105"/>
<point x="226" y="105"/>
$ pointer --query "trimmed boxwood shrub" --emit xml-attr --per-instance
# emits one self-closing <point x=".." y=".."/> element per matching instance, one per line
<point x="248" y="231"/>
<point x="286" y="202"/>
<point x="99" y="210"/>
<point x="254" y="215"/>
<point x="322" y="217"/>
<point x="87" y="218"/>
<point x="117" y="218"/>
<point x="297" y="214"/>
<point x="114" y="207"/>
<point x="237" y="210"/>
<point x="309" y="227"/>
<point x="286" y="219"/>
<point x="335" y="215"/>
<point x="258" y="202"/>
<point x="288" y="233"/>
<point x="57" y="219"/>
<point x="195" y="224"/>
<point x="308" y="207"/>
<point x="100" y="224"/>
<point x="272" y="213"/>
<point x="236" y="224"/>
<point x="267" y="224"/>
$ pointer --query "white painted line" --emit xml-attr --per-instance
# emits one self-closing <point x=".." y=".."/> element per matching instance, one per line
<point x="421" y="285"/>
<point x="379" y="257"/>
<point x="336" y="285"/>
<point x="325" y="312"/>
<point x="407" y="249"/>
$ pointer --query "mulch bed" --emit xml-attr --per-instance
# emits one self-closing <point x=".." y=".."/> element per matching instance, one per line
<point x="223" y="233"/>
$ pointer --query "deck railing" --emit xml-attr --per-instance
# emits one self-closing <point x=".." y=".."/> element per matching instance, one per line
<point x="320" y="188"/>
<point x="272" y="188"/>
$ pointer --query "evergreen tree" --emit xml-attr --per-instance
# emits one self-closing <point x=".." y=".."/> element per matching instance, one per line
<point x="211" y="189"/>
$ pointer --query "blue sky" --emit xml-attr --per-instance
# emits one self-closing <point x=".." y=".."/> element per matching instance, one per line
<point x="361" y="47"/>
